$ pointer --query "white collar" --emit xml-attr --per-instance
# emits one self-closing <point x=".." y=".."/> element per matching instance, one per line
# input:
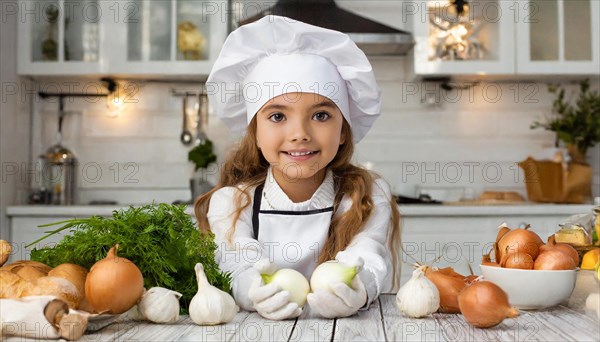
<point x="274" y="198"/>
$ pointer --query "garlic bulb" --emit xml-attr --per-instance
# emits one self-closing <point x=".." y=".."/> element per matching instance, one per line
<point x="211" y="306"/>
<point x="418" y="297"/>
<point x="160" y="305"/>
<point x="592" y="303"/>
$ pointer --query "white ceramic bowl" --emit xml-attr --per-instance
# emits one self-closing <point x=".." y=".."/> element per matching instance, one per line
<point x="532" y="289"/>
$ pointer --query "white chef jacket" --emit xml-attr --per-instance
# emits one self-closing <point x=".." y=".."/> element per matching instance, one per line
<point x="244" y="249"/>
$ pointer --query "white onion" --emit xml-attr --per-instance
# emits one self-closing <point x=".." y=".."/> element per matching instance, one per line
<point x="332" y="272"/>
<point x="291" y="281"/>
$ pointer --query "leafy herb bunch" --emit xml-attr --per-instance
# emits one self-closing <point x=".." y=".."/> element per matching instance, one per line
<point x="578" y="124"/>
<point x="160" y="239"/>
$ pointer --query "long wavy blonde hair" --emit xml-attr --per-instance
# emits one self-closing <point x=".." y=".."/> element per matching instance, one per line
<point x="246" y="168"/>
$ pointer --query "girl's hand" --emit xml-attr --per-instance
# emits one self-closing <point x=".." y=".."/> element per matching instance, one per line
<point x="270" y="300"/>
<point x="343" y="301"/>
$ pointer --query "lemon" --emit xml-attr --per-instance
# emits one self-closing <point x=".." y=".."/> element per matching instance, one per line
<point x="590" y="259"/>
<point x="598" y="272"/>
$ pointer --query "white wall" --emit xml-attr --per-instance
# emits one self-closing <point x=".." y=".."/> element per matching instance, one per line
<point x="470" y="138"/>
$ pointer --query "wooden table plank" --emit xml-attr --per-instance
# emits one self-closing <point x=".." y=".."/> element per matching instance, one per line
<point x="223" y="332"/>
<point x="401" y="328"/>
<point x="310" y="327"/>
<point x="382" y="322"/>
<point x="147" y="331"/>
<point x="455" y="328"/>
<point x="257" y="328"/>
<point x="366" y="325"/>
<point x="119" y="331"/>
<point x="565" y="324"/>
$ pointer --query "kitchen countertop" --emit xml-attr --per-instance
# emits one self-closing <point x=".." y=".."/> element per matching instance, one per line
<point x="382" y="322"/>
<point x="416" y="210"/>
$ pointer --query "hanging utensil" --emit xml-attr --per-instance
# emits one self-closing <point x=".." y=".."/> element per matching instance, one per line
<point x="59" y="169"/>
<point x="201" y="120"/>
<point x="186" y="135"/>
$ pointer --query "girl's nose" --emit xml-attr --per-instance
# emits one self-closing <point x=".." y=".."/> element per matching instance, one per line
<point x="299" y="133"/>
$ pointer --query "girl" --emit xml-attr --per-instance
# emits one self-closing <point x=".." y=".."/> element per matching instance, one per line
<point x="288" y="196"/>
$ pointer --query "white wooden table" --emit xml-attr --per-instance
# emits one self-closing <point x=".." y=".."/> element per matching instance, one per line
<point x="382" y="322"/>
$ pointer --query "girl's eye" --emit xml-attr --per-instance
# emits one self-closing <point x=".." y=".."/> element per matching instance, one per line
<point x="276" y="117"/>
<point x="321" y="116"/>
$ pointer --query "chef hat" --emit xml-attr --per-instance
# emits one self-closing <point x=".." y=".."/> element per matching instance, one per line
<point x="277" y="55"/>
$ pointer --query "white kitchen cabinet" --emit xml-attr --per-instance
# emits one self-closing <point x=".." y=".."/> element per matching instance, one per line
<point x="493" y="30"/>
<point x="558" y="36"/>
<point x="153" y="33"/>
<point x="58" y="37"/>
<point x="120" y="37"/>
<point x="519" y="37"/>
<point x="24" y="230"/>
<point x="24" y="222"/>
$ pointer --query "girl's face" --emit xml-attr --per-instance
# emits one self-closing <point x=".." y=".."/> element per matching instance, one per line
<point x="299" y="135"/>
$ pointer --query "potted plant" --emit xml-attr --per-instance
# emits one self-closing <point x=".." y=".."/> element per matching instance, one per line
<point x="578" y="124"/>
<point x="201" y="155"/>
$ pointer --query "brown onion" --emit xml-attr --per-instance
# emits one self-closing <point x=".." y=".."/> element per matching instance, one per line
<point x="485" y="305"/>
<point x="569" y="250"/>
<point x="554" y="259"/>
<point x="563" y="247"/>
<point x="449" y="284"/>
<point x="114" y="284"/>
<point x="518" y="260"/>
<point x="519" y="240"/>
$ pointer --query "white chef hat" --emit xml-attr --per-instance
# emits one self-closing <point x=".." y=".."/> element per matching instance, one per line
<point x="277" y="55"/>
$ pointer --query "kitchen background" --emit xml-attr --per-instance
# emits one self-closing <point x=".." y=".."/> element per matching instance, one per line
<point x="470" y="138"/>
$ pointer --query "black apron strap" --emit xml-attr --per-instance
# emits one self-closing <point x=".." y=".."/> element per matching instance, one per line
<point x="256" y="208"/>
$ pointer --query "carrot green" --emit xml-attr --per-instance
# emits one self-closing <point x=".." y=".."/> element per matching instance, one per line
<point x="161" y="239"/>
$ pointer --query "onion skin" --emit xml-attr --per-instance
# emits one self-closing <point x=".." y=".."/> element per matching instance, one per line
<point x="563" y="247"/>
<point x="519" y="240"/>
<point x="554" y="259"/>
<point x="449" y="285"/>
<point x="502" y="230"/>
<point x="484" y="305"/>
<point x="569" y="250"/>
<point x="114" y="284"/>
<point x="519" y="260"/>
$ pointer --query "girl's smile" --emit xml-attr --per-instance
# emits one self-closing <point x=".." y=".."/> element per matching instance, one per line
<point x="300" y="155"/>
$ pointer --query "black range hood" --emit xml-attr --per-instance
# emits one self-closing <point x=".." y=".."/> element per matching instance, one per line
<point x="374" y="38"/>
